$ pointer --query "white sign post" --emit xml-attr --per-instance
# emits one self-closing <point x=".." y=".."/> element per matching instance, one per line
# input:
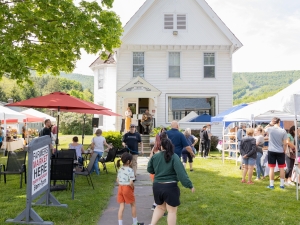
<point x="38" y="182"/>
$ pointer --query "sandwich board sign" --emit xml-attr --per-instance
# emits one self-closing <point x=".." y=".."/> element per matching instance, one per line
<point x="38" y="182"/>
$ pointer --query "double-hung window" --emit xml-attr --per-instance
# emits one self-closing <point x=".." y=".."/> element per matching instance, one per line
<point x="174" y="64"/>
<point x="209" y="65"/>
<point x="138" y="64"/>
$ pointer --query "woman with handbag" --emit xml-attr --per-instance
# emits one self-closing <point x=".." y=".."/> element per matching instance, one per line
<point x="290" y="156"/>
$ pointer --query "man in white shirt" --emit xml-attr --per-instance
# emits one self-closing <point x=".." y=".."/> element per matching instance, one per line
<point x="276" y="150"/>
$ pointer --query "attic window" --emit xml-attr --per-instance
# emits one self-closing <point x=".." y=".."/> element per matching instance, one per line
<point x="181" y="21"/>
<point x="168" y="22"/>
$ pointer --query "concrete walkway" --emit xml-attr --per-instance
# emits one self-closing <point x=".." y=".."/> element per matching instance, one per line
<point x="143" y="196"/>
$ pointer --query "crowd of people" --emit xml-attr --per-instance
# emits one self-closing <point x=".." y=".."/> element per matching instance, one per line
<point x="280" y="152"/>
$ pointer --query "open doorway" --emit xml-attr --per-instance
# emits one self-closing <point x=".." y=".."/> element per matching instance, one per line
<point x="143" y="105"/>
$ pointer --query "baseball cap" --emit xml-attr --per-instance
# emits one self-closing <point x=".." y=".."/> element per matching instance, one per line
<point x="132" y="125"/>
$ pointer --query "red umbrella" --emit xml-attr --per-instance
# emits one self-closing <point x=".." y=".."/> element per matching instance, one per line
<point x="58" y="100"/>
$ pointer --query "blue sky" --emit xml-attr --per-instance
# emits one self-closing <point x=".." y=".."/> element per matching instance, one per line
<point x="268" y="29"/>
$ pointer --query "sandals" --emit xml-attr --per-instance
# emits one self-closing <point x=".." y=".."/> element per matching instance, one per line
<point x="243" y="181"/>
<point x="250" y="182"/>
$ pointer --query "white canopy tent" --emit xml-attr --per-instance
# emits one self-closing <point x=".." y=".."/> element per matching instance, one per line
<point x="284" y="105"/>
<point x="36" y="113"/>
<point x="9" y="114"/>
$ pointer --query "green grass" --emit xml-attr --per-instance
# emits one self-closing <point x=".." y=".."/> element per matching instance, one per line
<point x="65" y="140"/>
<point x="220" y="198"/>
<point x="86" y="208"/>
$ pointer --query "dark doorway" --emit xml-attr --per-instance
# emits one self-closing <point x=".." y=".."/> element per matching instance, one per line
<point x="143" y="105"/>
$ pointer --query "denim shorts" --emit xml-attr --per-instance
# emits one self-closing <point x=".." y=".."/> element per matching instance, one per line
<point x="249" y="161"/>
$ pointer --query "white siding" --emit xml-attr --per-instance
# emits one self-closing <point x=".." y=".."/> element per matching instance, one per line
<point x="201" y="30"/>
<point x="107" y="95"/>
<point x="191" y="81"/>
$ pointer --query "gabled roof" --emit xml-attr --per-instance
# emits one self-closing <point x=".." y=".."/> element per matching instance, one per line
<point x="110" y="60"/>
<point x="140" y="87"/>
<point x="203" y="4"/>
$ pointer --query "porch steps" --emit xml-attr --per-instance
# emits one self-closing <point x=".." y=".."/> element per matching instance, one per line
<point x="146" y="144"/>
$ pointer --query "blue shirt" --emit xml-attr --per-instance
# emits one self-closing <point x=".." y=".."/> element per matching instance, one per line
<point x="178" y="140"/>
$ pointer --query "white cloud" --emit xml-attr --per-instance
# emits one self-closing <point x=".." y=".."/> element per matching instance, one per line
<point x="268" y="29"/>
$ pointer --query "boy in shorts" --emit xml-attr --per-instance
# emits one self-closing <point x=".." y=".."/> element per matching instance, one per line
<point x="276" y="149"/>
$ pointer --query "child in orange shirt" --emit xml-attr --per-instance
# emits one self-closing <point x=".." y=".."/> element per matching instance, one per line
<point x="126" y="189"/>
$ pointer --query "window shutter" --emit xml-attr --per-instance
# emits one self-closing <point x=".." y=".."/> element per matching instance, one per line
<point x="168" y="21"/>
<point x="181" y="21"/>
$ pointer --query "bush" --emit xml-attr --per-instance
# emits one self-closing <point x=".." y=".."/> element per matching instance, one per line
<point x="214" y="143"/>
<point x="113" y="137"/>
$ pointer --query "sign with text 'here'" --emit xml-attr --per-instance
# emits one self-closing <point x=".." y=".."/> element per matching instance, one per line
<point x="40" y="169"/>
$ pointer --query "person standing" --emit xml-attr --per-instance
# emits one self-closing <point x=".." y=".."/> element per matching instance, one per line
<point x="24" y="131"/>
<point x="259" y="152"/>
<point x="248" y="152"/>
<point x="178" y="140"/>
<point x="290" y="156"/>
<point x="97" y="145"/>
<point x="276" y="149"/>
<point x="209" y="134"/>
<point x="204" y="141"/>
<point x="131" y="140"/>
<point x="128" y="115"/>
<point x="168" y="171"/>
<point x="1" y="137"/>
<point x="46" y="131"/>
<point x="185" y="154"/>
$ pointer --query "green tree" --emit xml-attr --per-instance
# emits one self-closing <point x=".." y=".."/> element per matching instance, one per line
<point x="48" y="35"/>
<point x="3" y="97"/>
<point x="29" y="91"/>
<point x="15" y="94"/>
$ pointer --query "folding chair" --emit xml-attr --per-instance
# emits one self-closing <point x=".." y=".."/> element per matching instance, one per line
<point x="88" y="170"/>
<point x="15" y="165"/>
<point x="67" y="153"/>
<point x="109" y="158"/>
<point x="62" y="169"/>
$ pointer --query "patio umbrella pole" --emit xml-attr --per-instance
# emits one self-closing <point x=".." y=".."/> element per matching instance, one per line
<point x="83" y="128"/>
<point x="56" y="141"/>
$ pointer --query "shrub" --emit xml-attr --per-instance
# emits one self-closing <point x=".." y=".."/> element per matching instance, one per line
<point x="214" y="143"/>
<point x="113" y="137"/>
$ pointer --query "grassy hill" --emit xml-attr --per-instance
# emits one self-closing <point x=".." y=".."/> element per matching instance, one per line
<point x="86" y="80"/>
<point x="249" y="87"/>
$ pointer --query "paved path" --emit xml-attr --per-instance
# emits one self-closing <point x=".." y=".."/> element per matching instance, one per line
<point x="143" y="196"/>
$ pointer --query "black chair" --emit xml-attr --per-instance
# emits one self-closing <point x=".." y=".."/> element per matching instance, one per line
<point x="87" y="171"/>
<point x="62" y="169"/>
<point x="15" y="165"/>
<point x="67" y="154"/>
<point x="109" y="158"/>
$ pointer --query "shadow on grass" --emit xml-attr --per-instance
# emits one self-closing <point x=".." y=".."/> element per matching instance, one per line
<point x="220" y="198"/>
<point x="86" y="208"/>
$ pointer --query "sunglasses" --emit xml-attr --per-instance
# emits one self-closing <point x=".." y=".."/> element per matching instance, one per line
<point x="132" y="127"/>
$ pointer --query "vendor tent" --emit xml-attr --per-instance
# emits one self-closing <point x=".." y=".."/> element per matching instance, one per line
<point x="219" y="118"/>
<point x="188" y="117"/>
<point x="201" y="118"/>
<point x="11" y="115"/>
<point x="36" y="113"/>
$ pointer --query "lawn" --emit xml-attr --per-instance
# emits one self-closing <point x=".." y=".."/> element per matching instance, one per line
<point x="220" y="198"/>
<point x="86" y="208"/>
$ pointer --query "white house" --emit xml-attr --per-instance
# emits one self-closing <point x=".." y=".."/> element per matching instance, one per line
<point x="175" y="57"/>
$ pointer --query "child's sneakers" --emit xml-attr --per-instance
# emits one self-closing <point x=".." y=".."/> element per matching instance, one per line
<point x="270" y="187"/>
<point x="281" y="187"/>
<point x="138" y="223"/>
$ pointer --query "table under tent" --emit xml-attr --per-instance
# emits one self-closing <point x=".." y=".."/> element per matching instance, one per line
<point x="229" y="136"/>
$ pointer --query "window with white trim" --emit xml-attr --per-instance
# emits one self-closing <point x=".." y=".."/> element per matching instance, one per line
<point x="174" y="64"/>
<point x="138" y="64"/>
<point x="100" y="78"/>
<point x="209" y="65"/>
<point x="180" y="106"/>
<point x="175" y="21"/>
